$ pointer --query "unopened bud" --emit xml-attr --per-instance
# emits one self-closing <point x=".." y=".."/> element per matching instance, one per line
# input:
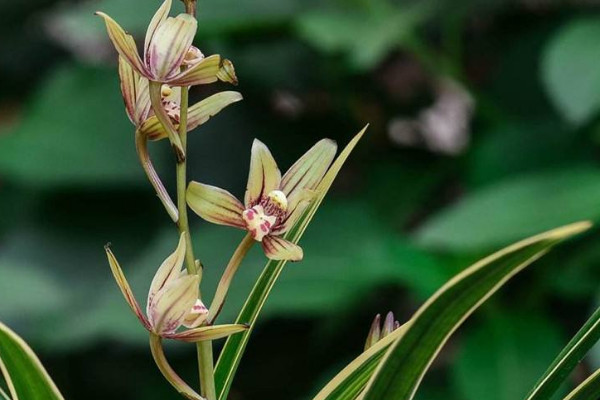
<point x="378" y="332"/>
<point x="374" y="333"/>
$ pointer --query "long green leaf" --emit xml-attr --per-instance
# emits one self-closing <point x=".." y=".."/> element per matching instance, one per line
<point x="588" y="390"/>
<point x="405" y="363"/>
<point x="233" y="350"/>
<point x="567" y="360"/>
<point x="24" y="374"/>
<point x="351" y="380"/>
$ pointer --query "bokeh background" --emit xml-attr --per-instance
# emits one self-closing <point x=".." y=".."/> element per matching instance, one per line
<point x="484" y="130"/>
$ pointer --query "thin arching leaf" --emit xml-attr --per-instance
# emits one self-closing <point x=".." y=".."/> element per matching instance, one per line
<point x="588" y="390"/>
<point x="351" y="380"/>
<point x="401" y="371"/>
<point x="567" y="360"/>
<point x="234" y="347"/>
<point x="25" y="375"/>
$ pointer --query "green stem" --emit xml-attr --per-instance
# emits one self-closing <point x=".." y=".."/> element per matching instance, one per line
<point x="227" y="278"/>
<point x="163" y="117"/>
<point x="204" y="348"/>
<point x="183" y="222"/>
<point x="141" y="145"/>
<point x="207" y="369"/>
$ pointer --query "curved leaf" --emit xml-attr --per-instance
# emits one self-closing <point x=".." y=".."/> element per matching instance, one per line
<point x="350" y="381"/>
<point x="405" y="363"/>
<point x="568" y="359"/>
<point x="233" y="350"/>
<point x="24" y="374"/>
<point x="588" y="390"/>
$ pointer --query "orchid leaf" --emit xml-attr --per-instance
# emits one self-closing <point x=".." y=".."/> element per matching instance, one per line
<point x="588" y="390"/>
<point x="400" y="372"/>
<point x="351" y="380"/>
<point x="233" y="350"/>
<point x="567" y="360"/>
<point x="25" y="376"/>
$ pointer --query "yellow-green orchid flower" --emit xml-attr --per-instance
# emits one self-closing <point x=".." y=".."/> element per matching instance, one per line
<point x="136" y="95"/>
<point x="167" y="48"/>
<point x="172" y="301"/>
<point x="272" y="203"/>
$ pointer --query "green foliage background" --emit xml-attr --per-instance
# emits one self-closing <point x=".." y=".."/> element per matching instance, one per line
<point x="401" y="220"/>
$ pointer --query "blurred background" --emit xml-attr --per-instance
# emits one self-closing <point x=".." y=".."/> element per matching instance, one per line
<point x="484" y="130"/>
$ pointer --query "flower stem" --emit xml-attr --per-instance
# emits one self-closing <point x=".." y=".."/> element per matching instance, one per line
<point x="161" y="114"/>
<point x="168" y="372"/>
<point x="183" y="223"/>
<point x="141" y="145"/>
<point x="204" y="348"/>
<point x="227" y="278"/>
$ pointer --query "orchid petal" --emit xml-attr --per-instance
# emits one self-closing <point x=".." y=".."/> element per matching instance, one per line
<point x="129" y="80"/>
<point x="209" y="332"/>
<point x="124" y="44"/>
<point x="169" y="271"/>
<point x="143" y="106"/>
<point x="203" y="72"/>
<point x="125" y="288"/>
<point x="172" y="303"/>
<point x="215" y="205"/>
<point x="277" y="248"/>
<point x="169" y="45"/>
<point x="264" y="175"/>
<point x="153" y="129"/>
<point x="200" y="112"/>
<point x="159" y="18"/>
<point x="196" y="316"/>
<point x="307" y="172"/>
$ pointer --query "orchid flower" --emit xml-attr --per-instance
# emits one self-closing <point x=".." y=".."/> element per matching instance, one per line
<point x="168" y="48"/>
<point x="172" y="301"/>
<point x="136" y="95"/>
<point x="272" y="203"/>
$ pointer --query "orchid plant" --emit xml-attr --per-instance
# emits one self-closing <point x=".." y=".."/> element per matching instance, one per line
<point x="155" y="88"/>
<point x="275" y="212"/>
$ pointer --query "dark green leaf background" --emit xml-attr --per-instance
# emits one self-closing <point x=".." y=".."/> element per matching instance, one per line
<point x="400" y="220"/>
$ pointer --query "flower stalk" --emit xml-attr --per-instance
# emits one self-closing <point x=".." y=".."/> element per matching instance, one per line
<point x="141" y="145"/>
<point x="232" y="267"/>
<point x="168" y="372"/>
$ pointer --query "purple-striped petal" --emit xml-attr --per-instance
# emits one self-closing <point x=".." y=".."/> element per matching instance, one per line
<point x="215" y="205"/>
<point x="159" y="17"/>
<point x="202" y="73"/>
<point x="307" y="172"/>
<point x="277" y="248"/>
<point x="129" y="81"/>
<point x="264" y="175"/>
<point x="169" y="271"/>
<point x="124" y="44"/>
<point x="169" y="46"/>
<point x="208" y="332"/>
<point x="125" y="288"/>
<point x="200" y="112"/>
<point x="172" y="303"/>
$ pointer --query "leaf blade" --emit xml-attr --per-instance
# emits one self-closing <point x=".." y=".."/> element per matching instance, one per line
<point x="401" y="371"/>
<point x="567" y="359"/>
<point x="23" y="371"/>
<point x="588" y="390"/>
